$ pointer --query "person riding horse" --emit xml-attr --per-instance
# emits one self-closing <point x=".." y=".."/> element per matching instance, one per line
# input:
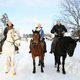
<point x="9" y="24"/>
<point x="8" y="48"/>
<point x="59" y="31"/>
<point x="5" y="35"/>
<point x="41" y="31"/>
<point x="6" y="31"/>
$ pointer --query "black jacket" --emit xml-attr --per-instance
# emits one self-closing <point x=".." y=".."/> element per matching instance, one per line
<point x="58" y="29"/>
<point x="5" y="32"/>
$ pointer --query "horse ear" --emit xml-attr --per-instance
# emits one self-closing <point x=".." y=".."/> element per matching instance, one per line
<point x="39" y="31"/>
<point x="77" y="40"/>
<point x="33" y="31"/>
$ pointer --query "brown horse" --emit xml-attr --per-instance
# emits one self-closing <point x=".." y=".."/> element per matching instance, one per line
<point x="37" y="50"/>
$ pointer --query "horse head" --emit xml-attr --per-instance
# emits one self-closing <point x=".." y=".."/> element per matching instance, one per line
<point x="36" y="36"/>
<point x="72" y="47"/>
<point x="16" y="38"/>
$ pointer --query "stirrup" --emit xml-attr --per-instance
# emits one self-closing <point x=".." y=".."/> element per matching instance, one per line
<point x="6" y="72"/>
<point x="13" y="73"/>
<point x="29" y="51"/>
<point x="51" y="52"/>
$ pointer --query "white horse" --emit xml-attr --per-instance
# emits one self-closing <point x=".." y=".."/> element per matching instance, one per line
<point x="8" y="49"/>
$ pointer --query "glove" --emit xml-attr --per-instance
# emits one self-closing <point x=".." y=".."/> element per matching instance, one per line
<point x="32" y="30"/>
<point x="63" y="32"/>
<point x="55" y="33"/>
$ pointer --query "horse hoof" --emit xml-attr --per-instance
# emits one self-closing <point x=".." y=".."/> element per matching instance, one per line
<point x="58" y="71"/>
<point x="64" y="72"/>
<point x="6" y="72"/>
<point x="34" y="71"/>
<point x="55" y="65"/>
<point x="14" y="73"/>
<point x="43" y="66"/>
<point x="38" y="64"/>
<point x="42" y="71"/>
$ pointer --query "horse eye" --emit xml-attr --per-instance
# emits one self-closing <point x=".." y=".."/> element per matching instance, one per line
<point x="14" y="35"/>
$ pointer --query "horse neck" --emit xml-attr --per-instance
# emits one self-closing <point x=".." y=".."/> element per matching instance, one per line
<point x="9" y="35"/>
<point x="36" y="38"/>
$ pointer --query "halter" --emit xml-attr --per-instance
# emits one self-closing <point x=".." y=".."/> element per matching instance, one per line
<point x="36" y="42"/>
<point x="14" y="41"/>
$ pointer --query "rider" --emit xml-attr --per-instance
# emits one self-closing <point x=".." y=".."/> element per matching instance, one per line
<point x="59" y="31"/>
<point x="5" y="31"/>
<point x="39" y="28"/>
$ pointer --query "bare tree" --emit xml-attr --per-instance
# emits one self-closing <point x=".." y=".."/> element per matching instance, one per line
<point x="71" y="12"/>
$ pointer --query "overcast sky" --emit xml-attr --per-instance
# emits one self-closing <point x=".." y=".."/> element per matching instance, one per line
<point x="26" y="14"/>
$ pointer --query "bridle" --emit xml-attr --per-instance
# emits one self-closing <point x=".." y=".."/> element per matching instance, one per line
<point x="35" y="42"/>
<point x="14" y="40"/>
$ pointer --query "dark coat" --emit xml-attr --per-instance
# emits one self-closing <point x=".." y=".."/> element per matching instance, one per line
<point x="5" y="36"/>
<point x="58" y="29"/>
<point x="5" y="32"/>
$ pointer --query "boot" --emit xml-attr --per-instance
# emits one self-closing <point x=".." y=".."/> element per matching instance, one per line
<point x="51" y="52"/>
<point x="29" y="51"/>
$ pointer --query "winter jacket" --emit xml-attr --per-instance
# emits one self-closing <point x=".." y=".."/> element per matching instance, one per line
<point x="58" y="29"/>
<point x="5" y="32"/>
<point x="42" y="33"/>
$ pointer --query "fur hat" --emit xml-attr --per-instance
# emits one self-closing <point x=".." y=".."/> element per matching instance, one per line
<point x="39" y="26"/>
<point x="9" y="24"/>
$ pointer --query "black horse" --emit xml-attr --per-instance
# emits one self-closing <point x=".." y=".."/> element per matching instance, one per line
<point x="64" y="46"/>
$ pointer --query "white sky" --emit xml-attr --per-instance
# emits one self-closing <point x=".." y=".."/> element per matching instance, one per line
<point x="26" y="14"/>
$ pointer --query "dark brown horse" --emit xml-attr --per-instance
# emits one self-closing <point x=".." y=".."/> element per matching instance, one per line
<point x="37" y="50"/>
<point x="64" y="46"/>
<point x="0" y="50"/>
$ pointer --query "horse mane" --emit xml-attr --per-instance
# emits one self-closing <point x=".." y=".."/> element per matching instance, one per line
<point x="36" y="31"/>
<point x="67" y="39"/>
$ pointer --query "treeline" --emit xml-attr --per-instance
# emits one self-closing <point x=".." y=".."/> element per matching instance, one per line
<point x="30" y="35"/>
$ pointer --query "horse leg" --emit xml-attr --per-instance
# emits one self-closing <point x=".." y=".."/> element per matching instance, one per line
<point x="39" y="63"/>
<point x="58" y="59"/>
<point x="43" y="63"/>
<point x="63" y="67"/>
<point x="41" y="66"/>
<point x="7" y="65"/>
<point x="55" y="59"/>
<point x="12" y="65"/>
<point x="41" y="58"/>
<point x="34" y="68"/>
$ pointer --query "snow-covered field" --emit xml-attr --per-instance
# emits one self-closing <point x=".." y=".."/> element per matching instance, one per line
<point x="23" y="62"/>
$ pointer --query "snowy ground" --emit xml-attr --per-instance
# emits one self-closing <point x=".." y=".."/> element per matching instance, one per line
<point x="24" y="65"/>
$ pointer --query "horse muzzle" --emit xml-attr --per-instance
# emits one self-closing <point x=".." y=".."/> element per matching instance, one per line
<point x="70" y="54"/>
